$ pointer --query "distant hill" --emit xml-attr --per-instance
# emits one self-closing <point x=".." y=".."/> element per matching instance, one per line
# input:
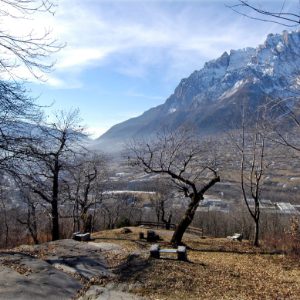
<point x="209" y="98"/>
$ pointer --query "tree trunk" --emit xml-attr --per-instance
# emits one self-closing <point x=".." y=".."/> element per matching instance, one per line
<point x="54" y="203"/>
<point x="186" y="220"/>
<point x="190" y="212"/>
<point x="55" y="224"/>
<point x="87" y="223"/>
<point x="256" y="232"/>
<point x="32" y="226"/>
<point x="5" y="222"/>
<point x="168" y="223"/>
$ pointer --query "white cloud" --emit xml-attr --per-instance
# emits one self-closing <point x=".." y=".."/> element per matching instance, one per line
<point x="132" y="36"/>
<point x="80" y="57"/>
<point x="55" y="82"/>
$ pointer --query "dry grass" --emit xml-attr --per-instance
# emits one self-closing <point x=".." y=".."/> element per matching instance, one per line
<point x="217" y="269"/>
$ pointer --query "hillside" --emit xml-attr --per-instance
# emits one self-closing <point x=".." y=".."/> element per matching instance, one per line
<point x="216" y="268"/>
<point x="209" y="98"/>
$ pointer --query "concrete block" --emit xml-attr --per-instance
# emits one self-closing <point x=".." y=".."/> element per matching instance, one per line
<point x="82" y="236"/>
<point x="181" y="253"/>
<point x="154" y="251"/>
<point x="75" y="235"/>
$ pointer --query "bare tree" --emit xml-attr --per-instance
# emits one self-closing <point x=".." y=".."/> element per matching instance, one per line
<point x="286" y="127"/>
<point x="29" y="219"/>
<point x="118" y="209"/>
<point x="29" y="49"/>
<point x="86" y="184"/>
<point x="15" y="108"/>
<point x="49" y="154"/>
<point x="186" y="160"/>
<point x="252" y="144"/>
<point x="26" y="50"/>
<point x="4" y="209"/>
<point x="163" y="202"/>
<point x="261" y="13"/>
<point x="21" y="50"/>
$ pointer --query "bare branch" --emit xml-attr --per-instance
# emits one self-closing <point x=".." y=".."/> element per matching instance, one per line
<point x="184" y="158"/>
<point x="282" y="18"/>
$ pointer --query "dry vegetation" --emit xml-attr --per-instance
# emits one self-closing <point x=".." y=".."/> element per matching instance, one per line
<point x="216" y="269"/>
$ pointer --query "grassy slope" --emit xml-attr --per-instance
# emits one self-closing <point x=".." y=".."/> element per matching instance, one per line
<point x="217" y="269"/>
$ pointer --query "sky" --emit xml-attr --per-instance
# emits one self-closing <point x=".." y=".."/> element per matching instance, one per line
<point x="124" y="57"/>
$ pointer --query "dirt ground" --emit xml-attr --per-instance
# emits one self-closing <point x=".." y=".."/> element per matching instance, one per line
<point x="216" y="269"/>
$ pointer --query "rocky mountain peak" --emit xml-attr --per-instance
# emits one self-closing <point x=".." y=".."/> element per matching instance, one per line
<point x="208" y="96"/>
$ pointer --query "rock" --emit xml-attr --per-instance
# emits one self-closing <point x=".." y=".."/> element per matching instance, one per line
<point x="40" y="281"/>
<point x="108" y="293"/>
<point x="105" y="246"/>
<point x="126" y="230"/>
<point x="26" y="277"/>
<point x="81" y="258"/>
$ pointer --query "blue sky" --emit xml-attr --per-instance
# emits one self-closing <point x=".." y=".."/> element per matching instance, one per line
<point x="124" y="57"/>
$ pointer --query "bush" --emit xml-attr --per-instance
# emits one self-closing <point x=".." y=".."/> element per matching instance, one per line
<point x="287" y="242"/>
<point x="123" y="222"/>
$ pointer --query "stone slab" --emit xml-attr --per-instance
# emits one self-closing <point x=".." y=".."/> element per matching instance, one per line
<point x="106" y="293"/>
<point x="105" y="246"/>
<point x="81" y="258"/>
<point x="43" y="281"/>
<point x="88" y="267"/>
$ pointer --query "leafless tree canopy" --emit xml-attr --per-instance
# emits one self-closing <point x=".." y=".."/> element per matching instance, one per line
<point x="21" y="50"/>
<point x="50" y="151"/>
<point x="254" y="10"/>
<point x="29" y="49"/>
<point x="180" y="154"/>
<point x="188" y="161"/>
<point x="85" y="186"/>
<point x="253" y="150"/>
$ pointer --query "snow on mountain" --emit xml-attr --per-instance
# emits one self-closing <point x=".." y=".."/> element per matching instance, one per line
<point x="240" y="58"/>
<point x="208" y="96"/>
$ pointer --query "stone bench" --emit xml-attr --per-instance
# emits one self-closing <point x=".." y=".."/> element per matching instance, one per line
<point x="235" y="237"/>
<point x="78" y="236"/>
<point x="181" y="252"/>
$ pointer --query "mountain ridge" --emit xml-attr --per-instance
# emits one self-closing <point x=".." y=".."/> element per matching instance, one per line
<point x="208" y="96"/>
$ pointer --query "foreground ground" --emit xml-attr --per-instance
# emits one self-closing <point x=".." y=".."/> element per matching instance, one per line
<point x="216" y="268"/>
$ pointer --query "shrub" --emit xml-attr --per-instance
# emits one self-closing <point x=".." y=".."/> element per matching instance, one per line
<point x="123" y="222"/>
